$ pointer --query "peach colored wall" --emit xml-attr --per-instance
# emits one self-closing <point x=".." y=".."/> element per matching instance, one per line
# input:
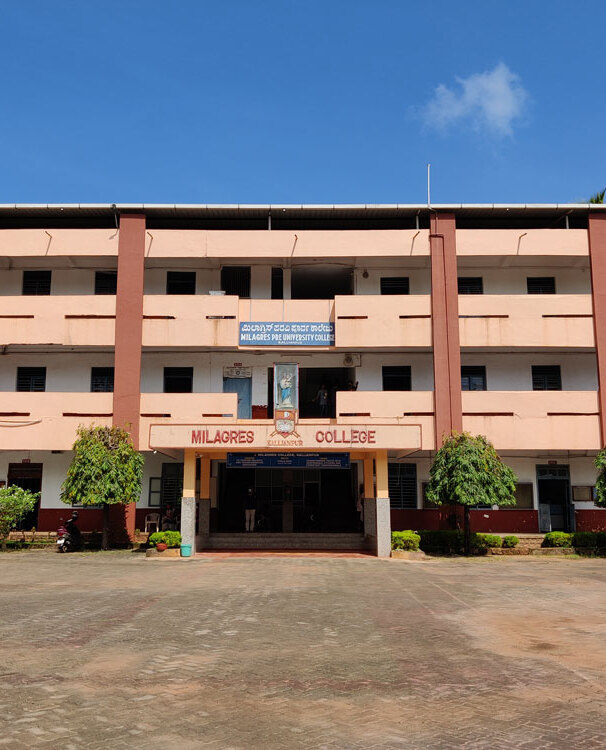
<point x="522" y="242"/>
<point x="197" y="320"/>
<point x="524" y="323"/>
<point x="400" y="407"/>
<point x="379" y="323"/>
<point x="244" y="244"/>
<point x="534" y="420"/>
<point x="50" y="324"/>
<point x="307" y="310"/>
<point x="35" y="242"/>
<point x="46" y="428"/>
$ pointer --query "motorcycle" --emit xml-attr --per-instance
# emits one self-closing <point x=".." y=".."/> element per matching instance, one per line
<point x="68" y="536"/>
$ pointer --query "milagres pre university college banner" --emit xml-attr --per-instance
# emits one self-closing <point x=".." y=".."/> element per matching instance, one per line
<point x="217" y="437"/>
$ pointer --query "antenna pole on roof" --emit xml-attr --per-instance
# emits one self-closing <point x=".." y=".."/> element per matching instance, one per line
<point x="428" y="185"/>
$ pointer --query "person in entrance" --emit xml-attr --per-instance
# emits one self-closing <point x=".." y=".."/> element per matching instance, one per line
<point x="250" y="509"/>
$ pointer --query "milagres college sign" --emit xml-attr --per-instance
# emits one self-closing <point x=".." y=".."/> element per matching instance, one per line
<point x="287" y="334"/>
<point x="322" y="436"/>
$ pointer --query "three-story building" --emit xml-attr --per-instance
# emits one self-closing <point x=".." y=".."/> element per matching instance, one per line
<point x="404" y="323"/>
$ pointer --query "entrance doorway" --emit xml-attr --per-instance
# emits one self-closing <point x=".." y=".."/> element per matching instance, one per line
<point x="243" y="387"/>
<point x="29" y="477"/>
<point x="289" y="500"/>
<point x="310" y="379"/>
<point x="555" y="508"/>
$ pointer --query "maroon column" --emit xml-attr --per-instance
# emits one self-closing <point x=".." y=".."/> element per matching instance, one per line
<point x="445" y="326"/>
<point x="129" y="337"/>
<point x="597" y="259"/>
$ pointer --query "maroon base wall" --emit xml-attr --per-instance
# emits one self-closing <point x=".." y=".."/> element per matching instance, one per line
<point x="591" y="520"/>
<point x="450" y="517"/>
<point x="90" y="519"/>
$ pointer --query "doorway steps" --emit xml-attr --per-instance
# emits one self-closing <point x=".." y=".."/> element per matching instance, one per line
<point x="286" y="541"/>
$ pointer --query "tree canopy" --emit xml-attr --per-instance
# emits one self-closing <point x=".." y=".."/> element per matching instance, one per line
<point x="105" y="469"/>
<point x="468" y="471"/>
<point x="15" y="502"/>
<point x="600" y="485"/>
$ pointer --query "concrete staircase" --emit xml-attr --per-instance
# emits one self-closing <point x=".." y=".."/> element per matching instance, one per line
<point x="261" y="541"/>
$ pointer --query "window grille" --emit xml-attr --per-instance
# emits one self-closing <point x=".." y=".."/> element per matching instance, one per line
<point x="402" y="482"/>
<point x="395" y="285"/>
<point x="470" y="285"/>
<point x="181" y="282"/>
<point x="546" y="378"/>
<point x="541" y="285"/>
<point x="102" y="380"/>
<point x="397" y="378"/>
<point x="31" y="378"/>
<point x="36" y="282"/>
<point x="473" y="378"/>
<point x="236" y="280"/>
<point x="106" y="282"/>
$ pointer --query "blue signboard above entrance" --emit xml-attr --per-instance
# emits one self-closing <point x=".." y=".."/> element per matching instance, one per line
<point x="288" y="460"/>
<point x="287" y="334"/>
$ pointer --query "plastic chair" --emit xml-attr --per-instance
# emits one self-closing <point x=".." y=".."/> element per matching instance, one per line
<point x="152" y="519"/>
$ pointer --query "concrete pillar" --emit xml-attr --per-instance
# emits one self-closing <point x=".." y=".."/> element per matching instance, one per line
<point x="188" y="501"/>
<point x="597" y="257"/>
<point x="383" y="510"/>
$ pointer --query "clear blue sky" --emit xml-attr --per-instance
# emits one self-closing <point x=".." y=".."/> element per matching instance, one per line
<point x="321" y="101"/>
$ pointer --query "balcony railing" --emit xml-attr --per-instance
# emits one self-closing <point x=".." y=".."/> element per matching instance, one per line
<point x="48" y="421"/>
<point x="528" y="242"/>
<point x="389" y="407"/>
<point x="534" y="420"/>
<point x="84" y="320"/>
<point x="521" y="320"/>
<point x="376" y="321"/>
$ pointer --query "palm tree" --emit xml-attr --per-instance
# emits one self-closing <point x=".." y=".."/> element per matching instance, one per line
<point x="598" y="197"/>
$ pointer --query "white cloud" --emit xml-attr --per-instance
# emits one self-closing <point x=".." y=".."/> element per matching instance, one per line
<point x="492" y="101"/>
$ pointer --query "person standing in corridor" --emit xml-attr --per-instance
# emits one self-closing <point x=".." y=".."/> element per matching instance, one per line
<point x="250" y="509"/>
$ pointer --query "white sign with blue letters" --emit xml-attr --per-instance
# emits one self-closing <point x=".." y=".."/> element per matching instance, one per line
<point x="287" y="334"/>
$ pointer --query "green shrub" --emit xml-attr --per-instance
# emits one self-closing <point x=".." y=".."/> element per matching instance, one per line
<point x="557" y="539"/>
<point x="405" y="540"/>
<point x="482" y="542"/>
<point x="585" y="539"/>
<point x="445" y="542"/>
<point x="510" y="541"/>
<point x="601" y="539"/>
<point x="170" y="538"/>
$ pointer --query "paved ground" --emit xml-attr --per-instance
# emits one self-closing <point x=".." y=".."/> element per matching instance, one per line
<point x="115" y="651"/>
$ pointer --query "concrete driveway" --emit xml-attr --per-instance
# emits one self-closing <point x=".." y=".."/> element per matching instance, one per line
<point x="105" y="650"/>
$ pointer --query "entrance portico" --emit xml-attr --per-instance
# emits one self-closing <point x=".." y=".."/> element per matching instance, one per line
<point x="365" y="444"/>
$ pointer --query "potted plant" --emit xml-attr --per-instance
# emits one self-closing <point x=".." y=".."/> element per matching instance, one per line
<point x="164" y="543"/>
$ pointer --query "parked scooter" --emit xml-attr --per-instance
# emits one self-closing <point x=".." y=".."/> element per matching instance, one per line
<point x="69" y="538"/>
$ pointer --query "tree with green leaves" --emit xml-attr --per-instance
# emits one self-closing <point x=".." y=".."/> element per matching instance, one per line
<point x="600" y="485"/>
<point x="105" y="470"/>
<point x="598" y="197"/>
<point x="468" y="471"/>
<point x="15" y="503"/>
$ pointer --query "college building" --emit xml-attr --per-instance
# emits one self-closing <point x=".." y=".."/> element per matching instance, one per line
<point x="316" y="355"/>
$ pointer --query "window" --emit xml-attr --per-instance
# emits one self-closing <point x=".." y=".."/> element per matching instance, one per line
<point x="395" y="285"/>
<point x="402" y="481"/>
<point x="470" y="285"/>
<point x="171" y="490"/>
<point x="178" y="379"/>
<point x="236" y="280"/>
<point x="102" y="379"/>
<point x="546" y="378"/>
<point x="523" y="498"/>
<point x="541" y="285"/>
<point x="31" y="378"/>
<point x="397" y="378"/>
<point x="277" y="283"/>
<point x="154" y="496"/>
<point x="106" y="282"/>
<point x="473" y="378"/>
<point x="36" y="282"/>
<point x="181" y="282"/>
